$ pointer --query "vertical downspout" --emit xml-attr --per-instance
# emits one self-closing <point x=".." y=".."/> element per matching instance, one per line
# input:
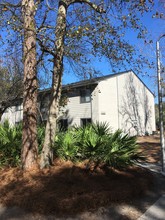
<point x="91" y="105"/>
<point x="117" y="86"/>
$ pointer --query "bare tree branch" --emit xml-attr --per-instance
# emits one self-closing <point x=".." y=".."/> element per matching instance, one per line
<point x="97" y="8"/>
<point x="8" y="4"/>
<point x="45" y="48"/>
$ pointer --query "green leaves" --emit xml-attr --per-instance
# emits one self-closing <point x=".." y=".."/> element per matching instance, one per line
<point x="40" y="136"/>
<point x="66" y="145"/>
<point x="10" y="144"/>
<point x="121" y="150"/>
<point x="97" y="144"/>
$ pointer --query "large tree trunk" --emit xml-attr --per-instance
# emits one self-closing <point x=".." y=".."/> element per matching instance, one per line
<point x="29" y="134"/>
<point x="47" y="154"/>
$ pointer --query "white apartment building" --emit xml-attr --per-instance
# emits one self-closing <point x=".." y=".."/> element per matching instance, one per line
<point x="122" y="100"/>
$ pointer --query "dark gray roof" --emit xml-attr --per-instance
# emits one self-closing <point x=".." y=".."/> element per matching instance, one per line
<point x="95" y="81"/>
<point x="92" y="80"/>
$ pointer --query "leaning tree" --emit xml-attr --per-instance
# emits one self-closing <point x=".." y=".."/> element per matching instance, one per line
<point x="92" y="31"/>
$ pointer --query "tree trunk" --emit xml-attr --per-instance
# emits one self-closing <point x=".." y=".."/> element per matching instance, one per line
<point x="29" y="134"/>
<point x="47" y="154"/>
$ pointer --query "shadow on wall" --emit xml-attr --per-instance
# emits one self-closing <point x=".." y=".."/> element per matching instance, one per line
<point x="135" y="109"/>
<point x="64" y="121"/>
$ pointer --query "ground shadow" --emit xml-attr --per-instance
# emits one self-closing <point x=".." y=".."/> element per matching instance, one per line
<point x="69" y="190"/>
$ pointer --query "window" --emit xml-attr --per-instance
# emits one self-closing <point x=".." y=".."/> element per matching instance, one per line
<point x="18" y="122"/>
<point x="85" y="96"/>
<point x="85" y="121"/>
<point x="63" y="124"/>
<point x="17" y="108"/>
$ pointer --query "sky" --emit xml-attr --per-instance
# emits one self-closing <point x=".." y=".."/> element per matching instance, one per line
<point x="155" y="27"/>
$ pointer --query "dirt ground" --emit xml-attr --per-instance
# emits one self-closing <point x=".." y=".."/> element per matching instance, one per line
<point x="150" y="147"/>
<point x="68" y="189"/>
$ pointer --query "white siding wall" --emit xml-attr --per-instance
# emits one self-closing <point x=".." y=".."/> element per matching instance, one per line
<point x="13" y="115"/>
<point x="74" y="110"/>
<point x="136" y="105"/>
<point x="125" y="103"/>
<point x="95" y="104"/>
<point x="108" y="102"/>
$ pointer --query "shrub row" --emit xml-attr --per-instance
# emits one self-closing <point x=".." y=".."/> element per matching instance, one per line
<point x="94" y="142"/>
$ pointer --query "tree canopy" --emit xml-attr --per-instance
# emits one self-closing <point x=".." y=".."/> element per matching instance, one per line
<point x="89" y="36"/>
<point x="10" y="84"/>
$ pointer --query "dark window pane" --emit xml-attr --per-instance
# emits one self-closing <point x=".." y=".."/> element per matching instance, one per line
<point x="85" y="95"/>
<point x="85" y="121"/>
<point x="63" y="124"/>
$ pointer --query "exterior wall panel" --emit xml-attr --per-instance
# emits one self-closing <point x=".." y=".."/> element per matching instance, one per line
<point x="13" y="115"/>
<point x="108" y="105"/>
<point x="95" y="104"/>
<point x="74" y="110"/>
<point x="136" y="106"/>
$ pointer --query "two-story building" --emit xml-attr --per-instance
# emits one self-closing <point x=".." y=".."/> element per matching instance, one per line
<point x="122" y="100"/>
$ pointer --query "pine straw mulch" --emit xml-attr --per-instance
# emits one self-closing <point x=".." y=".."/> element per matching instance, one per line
<point x="150" y="148"/>
<point x="69" y="189"/>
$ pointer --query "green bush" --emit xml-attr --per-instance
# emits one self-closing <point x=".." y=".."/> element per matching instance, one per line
<point x="96" y="143"/>
<point x="120" y="150"/>
<point x="40" y="136"/>
<point x="91" y="139"/>
<point x="10" y="144"/>
<point x="66" y="145"/>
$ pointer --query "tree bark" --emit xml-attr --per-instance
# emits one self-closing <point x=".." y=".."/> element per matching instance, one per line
<point x="47" y="154"/>
<point x="29" y="134"/>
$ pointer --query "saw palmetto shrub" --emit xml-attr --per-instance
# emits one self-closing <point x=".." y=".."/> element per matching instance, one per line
<point x="10" y="144"/>
<point x="66" y="145"/>
<point x="96" y="143"/>
<point x="120" y="150"/>
<point x="40" y="136"/>
<point x="91" y="139"/>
